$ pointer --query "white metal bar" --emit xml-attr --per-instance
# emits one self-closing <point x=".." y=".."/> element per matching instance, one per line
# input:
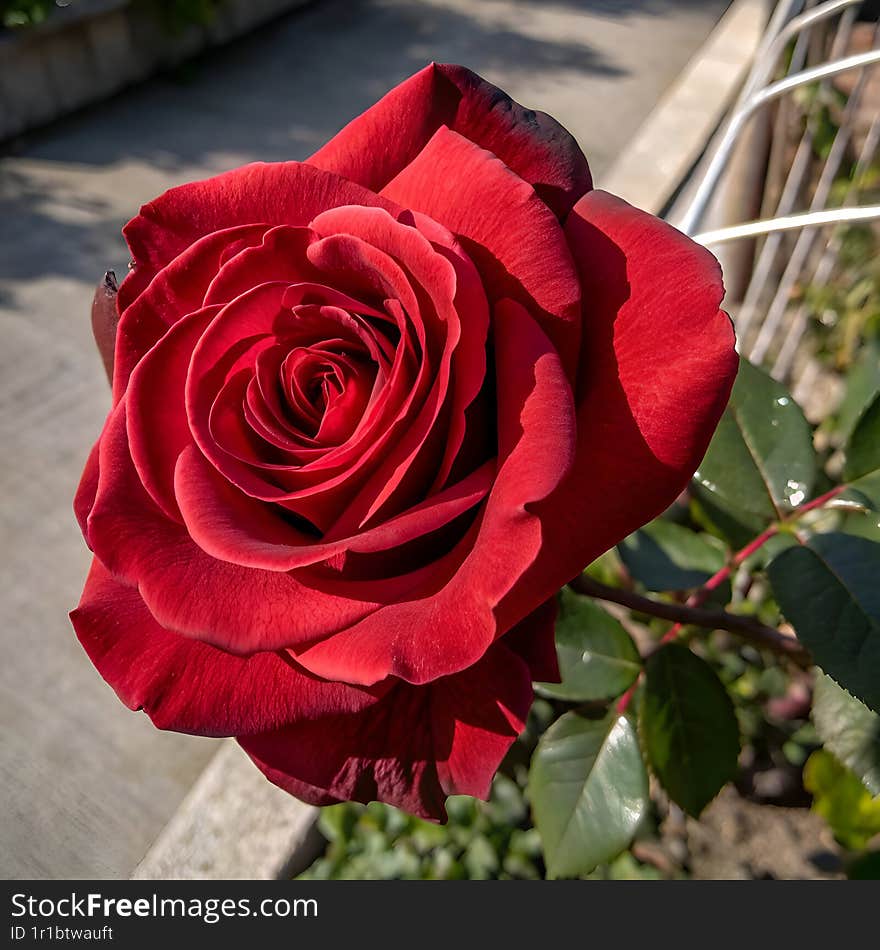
<point x="790" y="222"/>
<point x="723" y="141"/>
<point x="796" y="25"/>
<point x="755" y="101"/>
<point x="821" y="71"/>
<point x="748" y="311"/>
<point x="806" y="238"/>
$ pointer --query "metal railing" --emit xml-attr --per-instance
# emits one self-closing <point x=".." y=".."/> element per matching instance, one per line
<point x="797" y="69"/>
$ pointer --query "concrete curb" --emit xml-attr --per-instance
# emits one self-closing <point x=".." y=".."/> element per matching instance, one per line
<point x="234" y="824"/>
<point x="671" y="140"/>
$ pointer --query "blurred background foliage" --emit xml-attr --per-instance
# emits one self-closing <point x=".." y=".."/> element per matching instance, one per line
<point x="18" y="13"/>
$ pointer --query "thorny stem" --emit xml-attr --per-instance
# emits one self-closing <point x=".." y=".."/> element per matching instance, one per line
<point x="691" y="613"/>
<point x="747" y="627"/>
<point x="699" y="596"/>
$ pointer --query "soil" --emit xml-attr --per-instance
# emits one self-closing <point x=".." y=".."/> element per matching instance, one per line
<point x="736" y="839"/>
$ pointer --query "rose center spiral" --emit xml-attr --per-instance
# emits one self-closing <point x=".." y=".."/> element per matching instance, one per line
<point x="325" y="389"/>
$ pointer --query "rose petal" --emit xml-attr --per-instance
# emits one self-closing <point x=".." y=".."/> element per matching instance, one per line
<point x="534" y="457"/>
<point x="281" y="256"/>
<point x="659" y="364"/>
<point x="515" y="241"/>
<point x="247" y="610"/>
<point x="402" y="478"/>
<point x="272" y="193"/>
<point x="236" y="608"/>
<point x="156" y="421"/>
<point x="534" y="639"/>
<point x="377" y="145"/>
<point x="262" y="315"/>
<point x="87" y="489"/>
<point x="476" y="716"/>
<point x="231" y="526"/>
<point x="411" y="749"/>
<point x="189" y="686"/>
<point x="176" y="291"/>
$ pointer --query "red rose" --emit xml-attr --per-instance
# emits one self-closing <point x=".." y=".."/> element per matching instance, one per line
<point x="370" y="412"/>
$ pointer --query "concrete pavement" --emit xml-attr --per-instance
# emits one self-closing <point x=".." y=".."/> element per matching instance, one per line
<point x="86" y="785"/>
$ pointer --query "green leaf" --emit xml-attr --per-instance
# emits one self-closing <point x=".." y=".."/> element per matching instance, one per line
<point x="865" y="490"/>
<point x="665" y="556"/>
<point x="848" y="729"/>
<point x="689" y="727"/>
<point x="717" y="522"/>
<point x="337" y="822"/>
<point x="863" y="448"/>
<point x="864" y="524"/>
<point x="862" y="385"/>
<point x="760" y="464"/>
<point x="829" y="591"/>
<point x="841" y="799"/>
<point x="605" y="569"/>
<point x="589" y="791"/>
<point x="597" y="657"/>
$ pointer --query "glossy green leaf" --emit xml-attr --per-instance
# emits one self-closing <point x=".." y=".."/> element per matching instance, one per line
<point x="731" y="529"/>
<point x="589" y="791"/>
<point x="864" y="524"/>
<point x="862" y="386"/>
<point x="865" y="491"/>
<point x="689" y="727"/>
<point x="664" y="556"/>
<point x="828" y="589"/>
<point x="842" y="800"/>
<point x="760" y="464"/>
<point x="848" y="729"/>
<point x="863" y="448"/>
<point x="597" y="657"/>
